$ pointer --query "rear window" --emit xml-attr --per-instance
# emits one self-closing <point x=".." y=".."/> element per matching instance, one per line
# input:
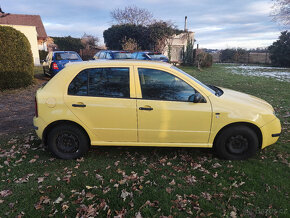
<point x="157" y="56"/>
<point x="66" y="56"/>
<point x="122" y="55"/>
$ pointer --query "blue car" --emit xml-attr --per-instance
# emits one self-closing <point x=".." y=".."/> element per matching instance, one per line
<point x="112" y="55"/>
<point x="56" y="61"/>
<point x="149" y="55"/>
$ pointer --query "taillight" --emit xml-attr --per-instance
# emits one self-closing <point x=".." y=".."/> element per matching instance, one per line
<point x="54" y="66"/>
<point x="35" y="105"/>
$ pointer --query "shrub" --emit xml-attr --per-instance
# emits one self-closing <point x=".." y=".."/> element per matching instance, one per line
<point x="204" y="59"/>
<point x="280" y="50"/>
<point x="16" y="62"/>
<point x="188" y="54"/>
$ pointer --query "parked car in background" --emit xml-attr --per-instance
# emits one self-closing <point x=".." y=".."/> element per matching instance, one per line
<point x="112" y="55"/>
<point x="149" y="55"/>
<point x="148" y="103"/>
<point x="56" y="61"/>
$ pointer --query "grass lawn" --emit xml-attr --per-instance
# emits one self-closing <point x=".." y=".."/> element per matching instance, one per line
<point x="152" y="182"/>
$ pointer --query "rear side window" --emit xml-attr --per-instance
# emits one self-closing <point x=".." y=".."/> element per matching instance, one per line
<point x="101" y="82"/>
<point x="79" y="85"/>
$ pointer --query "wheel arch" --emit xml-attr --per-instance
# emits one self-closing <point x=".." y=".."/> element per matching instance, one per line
<point x="61" y="122"/>
<point x="252" y="126"/>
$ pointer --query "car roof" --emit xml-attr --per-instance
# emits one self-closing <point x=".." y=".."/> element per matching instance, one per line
<point x="63" y="51"/>
<point x="131" y="62"/>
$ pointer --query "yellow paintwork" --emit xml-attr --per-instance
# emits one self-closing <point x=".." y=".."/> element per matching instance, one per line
<point x="117" y="121"/>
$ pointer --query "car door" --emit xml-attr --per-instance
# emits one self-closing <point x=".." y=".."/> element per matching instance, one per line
<point x="164" y="113"/>
<point x="101" y="99"/>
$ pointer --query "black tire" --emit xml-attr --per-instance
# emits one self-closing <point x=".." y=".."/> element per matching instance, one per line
<point x="67" y="141"/>
<point x="236" y="143"/>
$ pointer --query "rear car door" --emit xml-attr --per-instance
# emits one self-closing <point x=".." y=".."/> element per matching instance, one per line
<point x="101" y="99"/>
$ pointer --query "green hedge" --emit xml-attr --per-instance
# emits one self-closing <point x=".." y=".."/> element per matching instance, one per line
<point x="16" y="62"/>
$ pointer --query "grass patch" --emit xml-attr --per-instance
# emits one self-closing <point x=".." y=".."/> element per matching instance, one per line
<point x="153" y="182"/>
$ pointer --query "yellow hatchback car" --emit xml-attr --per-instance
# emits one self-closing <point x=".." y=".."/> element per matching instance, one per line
<point x="145" y="103"/>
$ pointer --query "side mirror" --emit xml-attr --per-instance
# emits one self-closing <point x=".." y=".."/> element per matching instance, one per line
<point x="196" y="98"/>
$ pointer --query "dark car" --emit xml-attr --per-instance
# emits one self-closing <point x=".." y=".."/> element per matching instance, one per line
<point x="56" y="61"/>
<point x="149" y="55"/>
<point x="111" y="55"/>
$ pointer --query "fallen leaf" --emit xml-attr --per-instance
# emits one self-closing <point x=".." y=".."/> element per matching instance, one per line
<point x="172" y="182"/>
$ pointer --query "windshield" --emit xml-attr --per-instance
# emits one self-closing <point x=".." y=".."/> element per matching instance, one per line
<point x="197" y="81"/>
<point x="66" y="56"/>
<point x="122" y="55"/>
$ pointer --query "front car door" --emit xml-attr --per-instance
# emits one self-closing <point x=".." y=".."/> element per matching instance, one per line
<point x="101" y="99"/>
<point x="164" y="113"/>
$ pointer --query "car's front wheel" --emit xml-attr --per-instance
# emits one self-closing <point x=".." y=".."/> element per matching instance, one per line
<point x="67" y="141"/>
<point x="236" y="143"/>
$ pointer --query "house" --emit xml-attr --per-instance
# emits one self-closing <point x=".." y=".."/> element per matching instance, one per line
<point x="31" y="26"/>
<point x="177" y="44"/>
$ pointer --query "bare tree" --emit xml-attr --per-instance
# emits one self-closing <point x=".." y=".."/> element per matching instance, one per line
<point x="281" y="12"/>
<point x="132" y="15"/>
<point x="89" y="41"/>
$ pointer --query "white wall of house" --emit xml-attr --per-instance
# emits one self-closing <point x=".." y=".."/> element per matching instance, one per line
<point x="177" y="43"/>
<point x="31" y="35"/>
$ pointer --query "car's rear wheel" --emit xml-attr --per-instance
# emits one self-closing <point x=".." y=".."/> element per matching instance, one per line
<point x="67" y="141"/>
<point x="236" y="143"/>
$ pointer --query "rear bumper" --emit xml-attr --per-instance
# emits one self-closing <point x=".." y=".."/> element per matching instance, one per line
<point x="39" y="126"/>
<point x="271" y="132"/>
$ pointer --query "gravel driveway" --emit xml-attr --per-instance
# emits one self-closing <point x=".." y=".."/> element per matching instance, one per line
<point x="17" y="108"/>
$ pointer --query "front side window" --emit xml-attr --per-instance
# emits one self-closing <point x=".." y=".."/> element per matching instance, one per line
<point x="160" y="85"/>
<point x="141" y="56"/>
<point x="102" y="82"/>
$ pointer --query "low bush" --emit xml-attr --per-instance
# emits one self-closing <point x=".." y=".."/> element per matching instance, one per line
<point x="204" y="59"/>
<point x="16" y="62"/>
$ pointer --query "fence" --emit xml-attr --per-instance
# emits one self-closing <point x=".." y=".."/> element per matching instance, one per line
<point x="248" y="58"/>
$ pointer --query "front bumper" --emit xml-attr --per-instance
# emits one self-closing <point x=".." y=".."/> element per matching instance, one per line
<point x="271" y="132"/>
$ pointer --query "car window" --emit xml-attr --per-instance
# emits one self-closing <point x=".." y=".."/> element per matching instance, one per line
<point x="160" y="85"/>
<point x="122" y="55"/>
<point x="66" y="56"/>
<point x="97" y="55"/>
<point x="102" y="55"/>
<point x="109" y="56"/>
<point x="102" y="82"/>
<point x="141" y="56"/>
<point x="79" y="85"/>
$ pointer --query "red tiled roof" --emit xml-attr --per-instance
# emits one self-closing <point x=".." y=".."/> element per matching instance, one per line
<point x="25" y="20"/>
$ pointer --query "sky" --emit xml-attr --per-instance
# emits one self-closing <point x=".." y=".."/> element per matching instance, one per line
<point x="218" y="24"/>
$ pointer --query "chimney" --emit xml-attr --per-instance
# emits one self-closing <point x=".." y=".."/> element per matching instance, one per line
<point x="185" y="24"/>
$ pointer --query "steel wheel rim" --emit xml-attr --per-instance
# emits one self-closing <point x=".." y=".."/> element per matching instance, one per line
<point x="67" y="143"/>
<point x="237" y="144"/>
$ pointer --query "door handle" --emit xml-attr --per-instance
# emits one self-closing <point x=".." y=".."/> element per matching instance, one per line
<point x="146" y="108"/>
<point x="79" y="105"/>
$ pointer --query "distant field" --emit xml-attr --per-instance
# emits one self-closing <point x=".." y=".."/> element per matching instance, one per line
<point x="153" y="182"/>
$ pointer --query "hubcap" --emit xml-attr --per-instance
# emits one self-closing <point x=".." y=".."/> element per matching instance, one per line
<point x="237" y="144"/>
<point x="67" y="143"/>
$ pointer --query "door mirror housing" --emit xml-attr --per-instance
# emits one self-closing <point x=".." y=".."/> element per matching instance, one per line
<point x="196" y="98"/>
